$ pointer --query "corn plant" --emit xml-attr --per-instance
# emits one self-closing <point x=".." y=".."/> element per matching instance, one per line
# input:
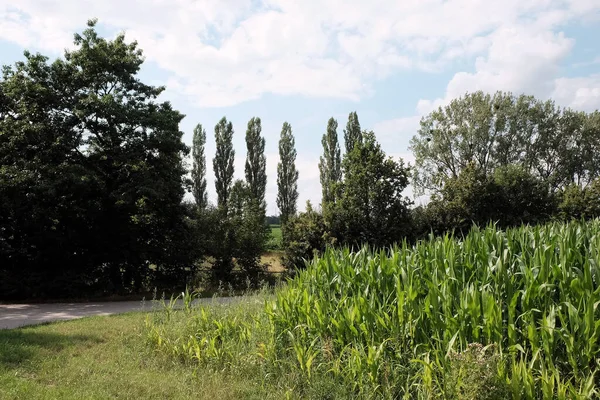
<point x="532" y="292"/>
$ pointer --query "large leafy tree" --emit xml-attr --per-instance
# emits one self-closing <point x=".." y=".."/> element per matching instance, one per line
<point x="199" y="167"/>
<point x="352" y="133"/>
<point x="330" y="167"/>
<point x="101" y="166"/>
<point x="256" y="163"/>
<point x="371" y="208"/>
<point x="287" y="174"/>
<point x="223" y="161"/>
<point x="490" y="131"/>
<point x="45" y="188"/>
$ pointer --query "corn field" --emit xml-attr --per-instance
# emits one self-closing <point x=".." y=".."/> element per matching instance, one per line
<point x="498" y="314"/>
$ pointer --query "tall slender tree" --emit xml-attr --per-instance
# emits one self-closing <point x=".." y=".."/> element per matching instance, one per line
<point x="330" y="163"/>
<point x="199" y="167"/>
<point x="287" y="174"/>
<point x="256" y="163"/>
<point x="352" y="133"/>
<point x="223" y="161"/>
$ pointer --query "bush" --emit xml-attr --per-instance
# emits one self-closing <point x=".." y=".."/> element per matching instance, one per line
<point x="509" y="197"/>
<point x="370" y="207"/>
<point x="304" y="236"/>
<point x="576" y="202"/>
<point x="525" y="199"/>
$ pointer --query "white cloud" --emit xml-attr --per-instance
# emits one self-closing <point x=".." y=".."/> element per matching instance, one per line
<point x="521" y="56"/>
<point x="578" y="93"/>
<point x="397" y="132"/>
<point x="223" y="52"/>
<point x="519" y="59"/>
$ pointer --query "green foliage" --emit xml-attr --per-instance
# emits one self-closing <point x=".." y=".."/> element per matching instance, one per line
<point x="496" y="315"/>
<point x="247" y="227"/>
<point x="273" y="220"/>
<point x="524" y="198"/>
<point x="276" y="239"/>
<point x="330" y="167"/>
<point x="370" y="208"/>
<point x="352" y="133"/>
<point x="509" y="197"/>
<point x="236" y="340"/>
<point x="556" y="145"/>
<point x="223" y="337"/>
<point x="473" y="374"/>
<point x="304" y="237"/>
<point x="223" y="161"/>
<point x="256" y="163"/>
<point x="530" y="292"/>
<point x="287" y="174"/>
<point x="577" y="202"/>
<point x="199" y="167"/>
<point x="91" y="176"/>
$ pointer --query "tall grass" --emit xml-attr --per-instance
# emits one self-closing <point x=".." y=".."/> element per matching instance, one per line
<point x="496" y="315"/>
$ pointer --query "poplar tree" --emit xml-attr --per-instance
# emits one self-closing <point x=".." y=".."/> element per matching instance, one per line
<point x="199" y="167"/>
<point x="223" y="161"/>
<point x="330" y="163"/>
<point x="287" y="174"/>
<point x="256" y="163"/>
<point x="352" y="133"/>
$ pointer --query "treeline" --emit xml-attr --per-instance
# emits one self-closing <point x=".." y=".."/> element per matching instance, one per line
<point x="482" y="158"/>
<point x="235" y="231"/>
<point x="511" y="159"/>
<point x="93" y="177"/>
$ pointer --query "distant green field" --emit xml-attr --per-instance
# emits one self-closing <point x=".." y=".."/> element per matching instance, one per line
<point x="275" y="241"/>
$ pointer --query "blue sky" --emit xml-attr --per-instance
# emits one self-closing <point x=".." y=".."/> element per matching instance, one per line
<point x="303" y="62"/>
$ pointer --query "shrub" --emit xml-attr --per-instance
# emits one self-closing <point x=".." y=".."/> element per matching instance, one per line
<point x="577" y="202"/>
<point x="304" y="236"/>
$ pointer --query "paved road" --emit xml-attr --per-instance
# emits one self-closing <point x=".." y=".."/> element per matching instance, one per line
<point x="16" y="315"/>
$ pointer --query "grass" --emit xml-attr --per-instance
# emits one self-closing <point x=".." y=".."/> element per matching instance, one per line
<point x="107" y="357"/>
<point x="236" y="340"/>
<point x="276" y="238"/>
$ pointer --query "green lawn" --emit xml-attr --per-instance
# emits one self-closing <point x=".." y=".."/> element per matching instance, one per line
<point x="276" y="238"/>
<point x="106" y="357"/>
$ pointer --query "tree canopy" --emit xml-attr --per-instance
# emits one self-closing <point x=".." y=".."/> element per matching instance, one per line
<point x="93" y="176"/>
<point x="223" y="161"/>
<point x="256" y="163"/>
<point x="490" y="131"/>
<point x="92" y="172"/>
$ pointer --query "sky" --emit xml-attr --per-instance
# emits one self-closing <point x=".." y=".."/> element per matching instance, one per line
<point x="304" y="61"/>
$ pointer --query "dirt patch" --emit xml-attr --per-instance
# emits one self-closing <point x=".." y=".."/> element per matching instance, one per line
<point x="273" y="259"/>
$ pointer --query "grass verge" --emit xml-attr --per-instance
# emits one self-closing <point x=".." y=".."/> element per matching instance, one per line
<point x="107" y="357"/>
